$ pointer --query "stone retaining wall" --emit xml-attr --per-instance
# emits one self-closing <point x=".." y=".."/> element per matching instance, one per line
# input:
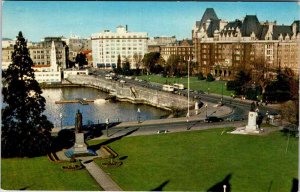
<point x="134" y="93"/>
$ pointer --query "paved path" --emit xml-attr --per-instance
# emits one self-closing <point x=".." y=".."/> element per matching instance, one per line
<point x="100" y="176"/>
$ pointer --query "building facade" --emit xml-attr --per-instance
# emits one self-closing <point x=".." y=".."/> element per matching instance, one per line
<point x="155" y="43"/>
<point x="107" y="46"/>
<point x="184" y="49"/>
<point x="223" y="48"/>
<point x="40" y="52"/>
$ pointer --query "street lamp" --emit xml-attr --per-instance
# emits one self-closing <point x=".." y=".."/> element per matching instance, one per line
<point x="107" y="123"/>
<point x="138" y="115"/>
<point x="188" y="113"/>
<point x="61" y="117"/>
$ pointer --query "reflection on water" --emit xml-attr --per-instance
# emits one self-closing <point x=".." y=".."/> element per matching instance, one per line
<point x="94" y="112"/>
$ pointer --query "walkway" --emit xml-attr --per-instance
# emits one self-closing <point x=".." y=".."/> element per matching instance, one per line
<point x="100" y="176"/>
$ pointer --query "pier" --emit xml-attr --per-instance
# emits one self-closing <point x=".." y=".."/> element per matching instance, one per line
<point x="79" y="100"/>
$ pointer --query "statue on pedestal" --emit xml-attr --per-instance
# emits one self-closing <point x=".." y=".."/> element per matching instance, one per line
<point x="78" y="122"/>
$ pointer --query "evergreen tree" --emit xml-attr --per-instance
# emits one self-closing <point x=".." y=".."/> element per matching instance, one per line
<point x="26" y="132"/>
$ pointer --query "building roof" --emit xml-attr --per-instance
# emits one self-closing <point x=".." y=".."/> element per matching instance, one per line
<point x="231" y="27"/>
<point x="249" y="25"/>
<point x="282" y="29"/>
<point x="208" y="14"/>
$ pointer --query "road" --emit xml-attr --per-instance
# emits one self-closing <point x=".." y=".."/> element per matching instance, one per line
<point x="164" y="128"/>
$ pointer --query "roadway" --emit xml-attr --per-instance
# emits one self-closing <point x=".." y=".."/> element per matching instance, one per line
<point x="240" y="107"/>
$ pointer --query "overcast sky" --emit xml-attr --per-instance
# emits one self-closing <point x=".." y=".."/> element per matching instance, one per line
<point x="39" y="19"/>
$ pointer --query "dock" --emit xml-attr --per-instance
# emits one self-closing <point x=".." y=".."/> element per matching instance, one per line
<point x="79" y="100"/>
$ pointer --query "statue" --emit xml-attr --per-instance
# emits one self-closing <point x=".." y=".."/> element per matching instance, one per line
<point x="78" y="122"/>
<point x="252" y="107"/>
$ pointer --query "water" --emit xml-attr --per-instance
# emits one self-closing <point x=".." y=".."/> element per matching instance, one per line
<point x="94" y="112"/>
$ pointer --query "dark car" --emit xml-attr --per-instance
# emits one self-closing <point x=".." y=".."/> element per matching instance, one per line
<point x="235" y="117"/>
<point x="211" y="119"/>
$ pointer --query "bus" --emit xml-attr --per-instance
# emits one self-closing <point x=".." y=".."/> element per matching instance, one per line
<point x="178" y="86"/>
<point x="168" y="88"/>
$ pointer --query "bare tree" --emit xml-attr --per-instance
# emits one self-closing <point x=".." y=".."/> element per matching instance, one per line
<point x="138" y="60"/>
<point x="260" y="73"/>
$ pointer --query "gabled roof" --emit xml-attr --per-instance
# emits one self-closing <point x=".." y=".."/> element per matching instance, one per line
<point x="282" y="29"/>
<point x="232" y="26"/>
<point x="249" y="25"/>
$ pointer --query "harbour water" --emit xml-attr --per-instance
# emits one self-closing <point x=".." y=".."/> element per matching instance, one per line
<point x="94" y="112"/>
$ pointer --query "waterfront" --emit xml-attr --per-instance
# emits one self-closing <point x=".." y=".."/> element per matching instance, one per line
<point x="95" y="112"/>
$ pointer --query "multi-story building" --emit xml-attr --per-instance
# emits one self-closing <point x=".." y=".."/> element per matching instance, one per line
<point x="48" y="73"/>
<point x="155" y="43"/>
<point x="40" y="52"/>
<point x="107" y="46"/>
<point x="223" y="48"/>
<point x="77" y="45"/>
<point x="183" y="49"/>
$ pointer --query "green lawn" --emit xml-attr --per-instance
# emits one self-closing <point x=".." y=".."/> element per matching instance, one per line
<point x="41" y="174"/>
<point x="198" y="160"/>
<point x="195" y="84"/>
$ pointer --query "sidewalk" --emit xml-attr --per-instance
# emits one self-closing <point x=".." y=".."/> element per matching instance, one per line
<point x="211" y="110"/>
<point x="100" y="176"/>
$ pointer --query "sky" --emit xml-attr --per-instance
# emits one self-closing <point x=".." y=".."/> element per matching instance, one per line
<point x="62" y="18"/>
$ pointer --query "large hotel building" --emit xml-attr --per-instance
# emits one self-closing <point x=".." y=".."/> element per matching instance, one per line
<point x="107" y="46"/>
<point x="223" y="48"/>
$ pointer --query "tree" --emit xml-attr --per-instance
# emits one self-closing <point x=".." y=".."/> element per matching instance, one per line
<point x="81" y="59"/>
<point x="173" y="65"/>
<point x="26" y="132"/>
<point x="260" y="73"/>
<point x="149" y="60"/>
<point x="126" y="67"/>
<point x="200" y="76"/>
<point x="290" y="111"/>
<point x="240" y="84"/>
<point x="278" y="90"/>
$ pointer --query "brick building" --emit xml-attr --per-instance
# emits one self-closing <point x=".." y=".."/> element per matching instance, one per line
<point x="223" y="48"/>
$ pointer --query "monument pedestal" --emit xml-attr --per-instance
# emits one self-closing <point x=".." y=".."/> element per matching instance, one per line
<point x="251" y="127"/>
<point x="80" y="147"/>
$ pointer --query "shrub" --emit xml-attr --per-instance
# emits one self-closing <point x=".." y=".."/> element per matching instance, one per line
<point x="209" y="77"/>
<point x="200" y="76"/>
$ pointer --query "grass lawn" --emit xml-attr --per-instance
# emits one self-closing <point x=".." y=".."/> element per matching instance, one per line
<point x="41" y="174"/>
<point x="198" y="160"/>
<point x="195" y="84"/>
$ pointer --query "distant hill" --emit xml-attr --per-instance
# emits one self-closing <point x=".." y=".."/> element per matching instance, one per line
<point x="6" y="39"/>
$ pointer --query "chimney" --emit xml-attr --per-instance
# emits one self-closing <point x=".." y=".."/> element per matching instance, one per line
<point x="126" y="28"/>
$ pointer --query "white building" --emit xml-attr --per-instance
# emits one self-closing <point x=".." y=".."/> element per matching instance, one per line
<point x="48" y="73"/>
<point x="107" y="46"/>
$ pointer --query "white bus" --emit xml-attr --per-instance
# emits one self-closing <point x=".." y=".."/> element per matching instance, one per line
<point x="169" y="88"/>
<point x="178" y="86"/>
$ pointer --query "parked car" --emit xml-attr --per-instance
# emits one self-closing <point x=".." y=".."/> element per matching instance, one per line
<point x="273" y="115"/>
<point x="235" y="117"/>
<point x="211" y="119"/>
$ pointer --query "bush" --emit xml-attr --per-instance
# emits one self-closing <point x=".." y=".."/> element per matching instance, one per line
<point x="209" y="77"/>
<point x="200" y="76"/>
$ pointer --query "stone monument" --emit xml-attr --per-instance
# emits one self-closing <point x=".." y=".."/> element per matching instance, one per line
<point x="80" y="146"/>
<point x="252" y="126"/>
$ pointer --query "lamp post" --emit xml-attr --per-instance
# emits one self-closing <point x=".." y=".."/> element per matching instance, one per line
<point x="60" y="116"/>
<point x="138" y="115"/>
<point x="188" y="113"/>
<point x="107" y="123"/>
